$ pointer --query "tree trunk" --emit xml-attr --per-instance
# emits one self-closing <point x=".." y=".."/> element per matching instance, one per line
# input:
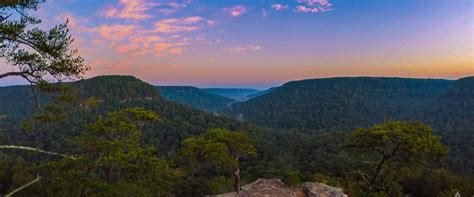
<point x="237" y="179"/>
<point x="377" y="173"/>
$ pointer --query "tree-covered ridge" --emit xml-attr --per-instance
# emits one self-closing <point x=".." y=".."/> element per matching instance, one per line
<point x="339" y="103"/>
<point x="452" y="115"/>
<point x="112" y="93"/>
<point x="344" y="104"/>
<point x="196" y="98"/>
<point x="292" y="155"/>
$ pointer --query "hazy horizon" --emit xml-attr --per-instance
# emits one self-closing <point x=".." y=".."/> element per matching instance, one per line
<point x="261" y="44"/>
<point x="231" y="86"/>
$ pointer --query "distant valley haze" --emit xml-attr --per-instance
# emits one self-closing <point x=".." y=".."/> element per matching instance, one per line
<point x="287" y="98"/>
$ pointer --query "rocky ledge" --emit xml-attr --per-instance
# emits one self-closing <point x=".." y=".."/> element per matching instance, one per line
<point x="276" y="188"/>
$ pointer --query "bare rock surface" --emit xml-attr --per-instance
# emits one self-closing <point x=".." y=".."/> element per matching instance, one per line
<point x="276" y="188"/>
<point x="322" y="190"/>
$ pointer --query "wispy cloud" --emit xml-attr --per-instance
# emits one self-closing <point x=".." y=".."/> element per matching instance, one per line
<point x="264" y="13"/>
<point x="304" y="9"/>
<point x="244" y="49"/>
<point x="313" y="6"/>
<point x="315" y="2"/>
<point x="279" y="7"/>
<point x="116" y="32"/>
<point x="131" y="9"/>
<point x="236" y="11"/>
<point x="176" y="25"/>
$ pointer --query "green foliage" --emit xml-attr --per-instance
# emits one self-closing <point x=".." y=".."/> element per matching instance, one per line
<point x="112" y="161"/>
<point x="217" y="150"/>
<point x="316" y="154"/>
<point x="34" y="53"/>
<point x="195" y="97"/>
<point x="395" y="146"/>
<point x="291" y="177"/>
<point x="219" y="146"/>
<point x="339" y="104"/>
<point x="348" y="103"/>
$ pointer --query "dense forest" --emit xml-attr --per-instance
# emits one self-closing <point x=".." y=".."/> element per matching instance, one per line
<point x="195" y="97"/>
<point x="120" y="136"/>
<point x="293" y="155"/>
<point x="344" y="104"/>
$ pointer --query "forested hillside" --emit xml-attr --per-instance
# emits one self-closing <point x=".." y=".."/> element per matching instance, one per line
<point x="195" y="97"/>
<point x="339" y="103"/>
<point x="108" y="94"/>
<point x="113" y="93"/>
<point x="344" y="104"/>
<point x="451" y="113"/>
<point x="293" y="155"/>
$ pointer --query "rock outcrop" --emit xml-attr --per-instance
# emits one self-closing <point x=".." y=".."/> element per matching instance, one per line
<point x="322" y="190"/>
<point x="276" y="188"/>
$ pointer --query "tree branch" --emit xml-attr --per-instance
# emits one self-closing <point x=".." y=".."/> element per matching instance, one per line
<point x="363" y="175"/>
<point x="23" y="186"/>
<point x="13" y="147"/>
<point x="8" y="74"/>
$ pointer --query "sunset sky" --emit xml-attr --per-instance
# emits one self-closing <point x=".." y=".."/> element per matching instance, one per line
<point x="263" y="43"/>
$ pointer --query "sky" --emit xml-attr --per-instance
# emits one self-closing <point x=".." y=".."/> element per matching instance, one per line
<point x="264" y="43"/>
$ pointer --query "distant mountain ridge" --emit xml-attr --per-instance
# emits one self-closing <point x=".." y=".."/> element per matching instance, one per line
<point x="114" y="93"/>
<point x="339" y="103"/>
<point x="345" y="104"/>
<point x="195" y="97"/>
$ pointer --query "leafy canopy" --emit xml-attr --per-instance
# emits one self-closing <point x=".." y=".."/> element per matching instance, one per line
<point x="219" y="146"/>
<point x="112" y="161"/>
<point x="393" y="147"/>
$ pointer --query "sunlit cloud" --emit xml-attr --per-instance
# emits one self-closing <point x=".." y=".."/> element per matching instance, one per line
<point x="279" y="7"/>
<point x="171" y="48"/>
<point x="175" y="25"/>
<point x="116" y="32"/>
<point x="131" y="9"/>
<point x="315" y="2"/>
<point x="244" y="49"/>
<point x="305" y="9"/>
<point x="313" y="6"/>
<point x="236" y="11"/>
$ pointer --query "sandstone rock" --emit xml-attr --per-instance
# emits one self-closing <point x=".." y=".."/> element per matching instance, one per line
<point x="322" y="190"/>
<point x="276" y="188"/>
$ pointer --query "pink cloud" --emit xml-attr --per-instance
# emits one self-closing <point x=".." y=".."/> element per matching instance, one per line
<point x="314" y="6"/>
<point x="279" y="7"/>
<point x="116" y="32"/>
<point x="244" y="49"/>
<point x="304" y="9"/>
<point x="236" y="11"/>
<point x="127" y="48"/>
<point x="172" y="48"/>
<point x="175" y="25"/>
<point x="176" y="5"/>
<point x="314" y="2"/>
<point x="145" y="39"/>
<point x="131" y="9"/>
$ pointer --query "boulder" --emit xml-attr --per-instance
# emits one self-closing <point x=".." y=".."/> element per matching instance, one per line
<point x="322" y="190"/>
<point x="276" y="188"/>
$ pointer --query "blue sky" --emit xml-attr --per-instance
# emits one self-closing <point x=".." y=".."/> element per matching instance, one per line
<point x="262" y="43"/>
